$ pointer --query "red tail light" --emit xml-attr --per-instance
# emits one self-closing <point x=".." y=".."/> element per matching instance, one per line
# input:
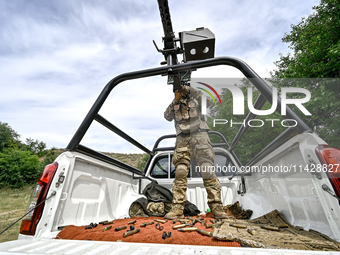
<point x="330" y="158"/>
<point x="29" y="224"/>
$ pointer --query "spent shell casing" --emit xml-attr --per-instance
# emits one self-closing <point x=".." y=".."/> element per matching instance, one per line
<point x="183" y="221"/>
<point x="107" y="228"/>
<point x="102" y="222"/>
<point x="270" y="228"/>
<point x="120" y="228"/>
<point x="147" y="223"/>
<point x="132" y="222"/>
<point x="180" y="226"/>
<point x="187" y="229"/>
<point x="213" y="221"/>
<point x="204" y="232"/>
<point x="203" y="222"/>
<point x="217" y="224"/>
<point x="62" y="227"/>
<point x="209" y="225"/>
<point x="161" y="221"/>
<point x="252" y="231"/>
<point x="108" y="222"/>
<point x="282" y="225"/>
<point x="131" y="232"/>
<point x="237" y="225"/>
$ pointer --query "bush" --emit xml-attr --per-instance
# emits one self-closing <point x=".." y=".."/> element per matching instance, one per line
<point x="142" y="163"/>
<point x="49" y="158"/>
<point x="18" y="168"/>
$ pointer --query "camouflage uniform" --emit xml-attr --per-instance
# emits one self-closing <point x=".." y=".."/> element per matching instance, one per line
<point x="192" y="141"/>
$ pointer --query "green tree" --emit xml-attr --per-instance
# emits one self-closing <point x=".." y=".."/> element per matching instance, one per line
<point x="8" y="137"/>
<point x="315" y="45"/>
<point x="35" y="146"/>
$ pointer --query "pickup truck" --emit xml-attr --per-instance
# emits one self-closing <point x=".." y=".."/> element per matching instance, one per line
<point x="84" y="185"/>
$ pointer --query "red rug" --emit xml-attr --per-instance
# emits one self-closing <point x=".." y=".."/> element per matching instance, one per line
<point x="148" y="234"/>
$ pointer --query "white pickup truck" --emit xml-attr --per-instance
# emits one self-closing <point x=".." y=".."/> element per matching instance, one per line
<point x="84" y="186"/>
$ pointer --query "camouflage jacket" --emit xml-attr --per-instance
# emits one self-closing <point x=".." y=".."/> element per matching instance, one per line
<point x="187" y="112"/>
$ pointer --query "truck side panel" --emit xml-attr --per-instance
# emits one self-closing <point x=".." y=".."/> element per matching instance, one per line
<point x="293" y="190"/>
<point x="92" y="191"/>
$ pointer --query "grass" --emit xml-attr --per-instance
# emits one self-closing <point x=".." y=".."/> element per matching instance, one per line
<point x="13" y="205"/>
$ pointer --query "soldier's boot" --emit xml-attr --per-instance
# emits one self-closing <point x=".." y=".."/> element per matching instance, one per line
<point x="176" y="212"/>
<point x="218" y="211"/>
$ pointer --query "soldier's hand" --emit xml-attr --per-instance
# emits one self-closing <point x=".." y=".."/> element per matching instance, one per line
<point x="178" y="95"/>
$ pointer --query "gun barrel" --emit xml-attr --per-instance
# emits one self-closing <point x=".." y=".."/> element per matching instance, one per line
<point x="169" y="35"/>
<point x="166" y="18"/>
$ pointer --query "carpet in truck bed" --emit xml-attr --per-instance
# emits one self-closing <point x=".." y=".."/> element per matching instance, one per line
<point x="269" y="231"/>
<point x="148" y="234"/>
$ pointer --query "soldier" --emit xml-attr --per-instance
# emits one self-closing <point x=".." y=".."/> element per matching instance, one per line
<point x="192" y="140"/>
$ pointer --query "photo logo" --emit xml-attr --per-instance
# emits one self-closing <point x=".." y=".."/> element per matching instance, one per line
<point x="239" y="100"/>
<point x="213" y="90"/>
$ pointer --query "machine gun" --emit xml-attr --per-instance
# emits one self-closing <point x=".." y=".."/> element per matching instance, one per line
<point x="194" y="45"/>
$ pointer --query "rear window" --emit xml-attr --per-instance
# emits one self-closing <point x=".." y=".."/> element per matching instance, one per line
<point x="160" y="169"/>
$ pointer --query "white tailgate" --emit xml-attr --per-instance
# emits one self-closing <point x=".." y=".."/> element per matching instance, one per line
<point x="54" y="246"/>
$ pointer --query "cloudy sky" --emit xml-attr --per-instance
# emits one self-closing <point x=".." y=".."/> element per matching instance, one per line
<point x="56" y="57"/>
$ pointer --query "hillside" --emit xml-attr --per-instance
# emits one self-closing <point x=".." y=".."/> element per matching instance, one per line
<point x="136" y="160"/>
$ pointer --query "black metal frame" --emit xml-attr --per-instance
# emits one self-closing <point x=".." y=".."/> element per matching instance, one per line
<point x="261" y="85"/>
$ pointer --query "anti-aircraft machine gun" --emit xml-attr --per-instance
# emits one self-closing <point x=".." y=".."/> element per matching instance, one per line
<point x="197" y="44"/>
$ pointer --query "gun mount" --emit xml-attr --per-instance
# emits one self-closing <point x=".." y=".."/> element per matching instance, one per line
<point x="197" y="44"/>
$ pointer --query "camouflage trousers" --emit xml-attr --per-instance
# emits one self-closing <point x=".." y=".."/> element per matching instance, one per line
<point x="195" y="146"/>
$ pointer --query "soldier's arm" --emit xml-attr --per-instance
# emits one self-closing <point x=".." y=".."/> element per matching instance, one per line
<point x="169" y="113"/>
